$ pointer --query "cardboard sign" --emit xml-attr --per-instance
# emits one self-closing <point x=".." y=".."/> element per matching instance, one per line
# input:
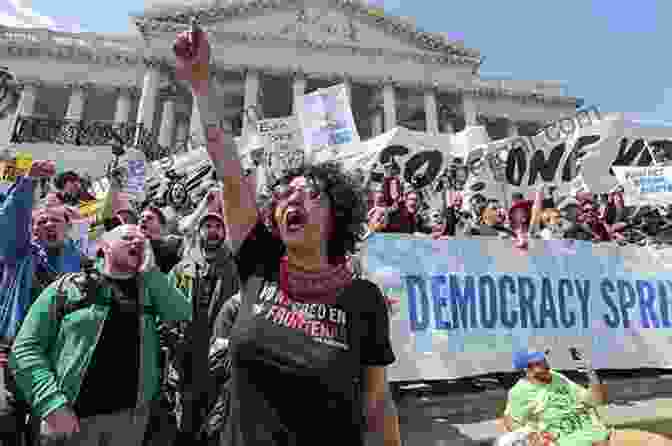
<point x="327" y="121"/>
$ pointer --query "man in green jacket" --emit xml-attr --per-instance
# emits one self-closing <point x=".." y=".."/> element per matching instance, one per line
<point x="90" y="368"/>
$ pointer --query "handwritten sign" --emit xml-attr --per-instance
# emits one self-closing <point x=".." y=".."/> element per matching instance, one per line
<point x="327" y="121"/>
<point x="136" y="177"/>
<point x="284" y="147"/>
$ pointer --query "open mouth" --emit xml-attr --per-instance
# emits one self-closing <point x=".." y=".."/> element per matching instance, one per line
<point x="295" y="220"/>
<point x="135" y="252"/>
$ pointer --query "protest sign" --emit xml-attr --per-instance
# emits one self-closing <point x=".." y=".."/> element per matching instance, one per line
<point x="585" y="143"/>
<point x="327" y="121"/>
<point x="283" y="144"/>
<point x="14" y="167"/>
<point x="466" y="305"/>
<point x="645" y="185"/>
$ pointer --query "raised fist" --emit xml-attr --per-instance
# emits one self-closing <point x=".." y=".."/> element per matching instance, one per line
<point x="192" y="53"/>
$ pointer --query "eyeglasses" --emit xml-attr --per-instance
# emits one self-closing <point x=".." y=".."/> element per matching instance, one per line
<point x="283" y="191"/>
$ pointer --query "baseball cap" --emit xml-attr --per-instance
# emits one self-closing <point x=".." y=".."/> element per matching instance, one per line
<point x="522" y="359"/>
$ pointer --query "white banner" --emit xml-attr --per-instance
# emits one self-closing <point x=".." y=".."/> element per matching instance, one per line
<point x="645" y="185"/>
<point x="549" y="157"/>
<point x="326" y="118"/>
<point x="571" y="153"/>
<point x="462" y="307"/>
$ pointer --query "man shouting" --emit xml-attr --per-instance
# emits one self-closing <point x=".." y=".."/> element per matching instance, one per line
<point x="86" y="357"/>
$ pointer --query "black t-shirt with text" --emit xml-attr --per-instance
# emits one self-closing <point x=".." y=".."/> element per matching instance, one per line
<point x="295" y="363"/>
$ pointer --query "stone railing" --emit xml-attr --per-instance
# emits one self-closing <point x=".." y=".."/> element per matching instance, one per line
<point x="43" y="36"/>
<point x="87" y="133"/>
<point x="544" y="88"/>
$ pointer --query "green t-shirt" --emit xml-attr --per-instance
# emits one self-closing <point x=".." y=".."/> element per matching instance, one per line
<point x="562" y="408"/>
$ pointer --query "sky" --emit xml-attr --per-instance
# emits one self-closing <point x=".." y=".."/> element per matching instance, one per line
<point x="614" y="55"/>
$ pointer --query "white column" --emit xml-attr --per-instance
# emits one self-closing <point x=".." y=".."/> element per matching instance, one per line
<point x="469" y="109"/>
<point x="196" y="136"/>
<point x="298" y="89"/>
<point x="513" y="128"/>
<point x="251" y="98"/>
<point x="348" y="87"/>
<point x="431" y="112"/>
<point x="28" y="98"/>
<point x="78" y="95"/>
<point x="376" y="122"/>
<point x="167" y="121"/>
<point x="181" y="132"/>
<point x="123" y="109"/>
<point x="390" y="106"/>
<point x="150" y="92"/>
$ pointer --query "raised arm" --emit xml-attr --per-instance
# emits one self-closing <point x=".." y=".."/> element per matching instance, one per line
<point x="193" y="54"/>
<point x="16" y="212"/>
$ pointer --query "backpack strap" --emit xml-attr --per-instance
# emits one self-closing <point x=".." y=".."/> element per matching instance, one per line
<point x="88" y="282"/>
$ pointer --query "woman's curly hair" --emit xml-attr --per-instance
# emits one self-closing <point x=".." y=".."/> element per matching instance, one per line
<point x="347" y="199"/>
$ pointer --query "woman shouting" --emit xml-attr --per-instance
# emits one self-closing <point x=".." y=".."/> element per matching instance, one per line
<point x="310" y="344"/>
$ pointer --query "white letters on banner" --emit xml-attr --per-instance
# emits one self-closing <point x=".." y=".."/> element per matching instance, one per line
<point x="462" y="307"/>
<point x="326" y="118"/>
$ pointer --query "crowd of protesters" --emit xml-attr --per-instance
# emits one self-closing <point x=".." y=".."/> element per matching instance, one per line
<point x="118" y="348"/>
<point x="396" y="206"/>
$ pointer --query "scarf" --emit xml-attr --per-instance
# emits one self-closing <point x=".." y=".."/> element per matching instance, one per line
<point x="322" y="286"/>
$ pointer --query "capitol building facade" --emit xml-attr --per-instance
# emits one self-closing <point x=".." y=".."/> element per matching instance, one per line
<point x="265" y="53"/>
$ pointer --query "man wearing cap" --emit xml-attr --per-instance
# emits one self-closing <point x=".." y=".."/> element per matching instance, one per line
<point x="551" y="409"/>
<point x="208" y="276"/>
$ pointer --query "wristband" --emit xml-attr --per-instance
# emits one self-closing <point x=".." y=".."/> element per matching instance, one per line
<point x="593" y="378"/>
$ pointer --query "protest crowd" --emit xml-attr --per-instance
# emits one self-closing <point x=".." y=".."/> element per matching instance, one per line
<point x="147" y="338"/>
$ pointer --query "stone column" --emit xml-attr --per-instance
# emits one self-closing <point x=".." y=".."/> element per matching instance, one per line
<point x="348" y="87"/>
<point x="150" y="92"/>
<point x="182" y="132"/>
<point x="251" y="98"/>
<point x="469" y="109"/>
<point x="298" y="89"/>
<point x="77" y="102"/>
<point x="512" y="128"/>
<point x="390" y="106"/>
<point x="431" y="112"/>
<point x="376" y="122"/>
<point x="168" y="118"/>
<point x="28" y="99"/>
<point x="124" y="99"/>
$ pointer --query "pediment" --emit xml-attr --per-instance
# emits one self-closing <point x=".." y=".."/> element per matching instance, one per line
<point x="321" y="25"/>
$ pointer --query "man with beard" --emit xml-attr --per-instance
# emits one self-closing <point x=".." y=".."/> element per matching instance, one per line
<point x="209" y="278"/>
<point x="29" y="262"/>
<point x="86" y="325"/>
<point x="167" y="249"/>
